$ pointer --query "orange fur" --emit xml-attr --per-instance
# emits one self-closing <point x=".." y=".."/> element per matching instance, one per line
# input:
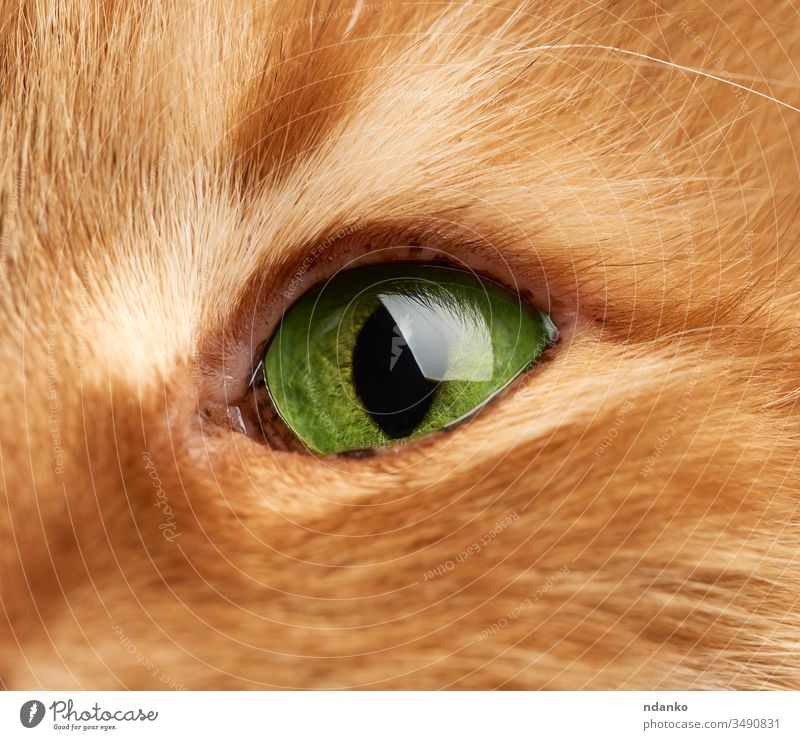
<point x="625" y="517"/>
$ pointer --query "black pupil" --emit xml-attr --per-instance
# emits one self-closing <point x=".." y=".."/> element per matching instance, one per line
<point x="387" y="377"/>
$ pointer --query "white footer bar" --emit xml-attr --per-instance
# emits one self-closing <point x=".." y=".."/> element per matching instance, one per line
<point x="401" y="715"/>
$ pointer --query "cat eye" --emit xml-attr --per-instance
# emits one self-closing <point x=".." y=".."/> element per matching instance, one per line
<point x="381" y="355"/>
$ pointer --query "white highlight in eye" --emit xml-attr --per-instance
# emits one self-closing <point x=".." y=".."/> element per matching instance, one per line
<point x="447" y="344"/>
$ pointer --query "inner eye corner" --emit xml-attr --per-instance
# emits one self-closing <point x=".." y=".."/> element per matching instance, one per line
<point x="420" y="357"/>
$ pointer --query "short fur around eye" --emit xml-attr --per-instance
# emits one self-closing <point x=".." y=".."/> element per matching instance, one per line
<point x="625" y="519"/>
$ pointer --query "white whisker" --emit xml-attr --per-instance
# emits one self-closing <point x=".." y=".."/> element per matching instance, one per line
<point x="666" y="62"/>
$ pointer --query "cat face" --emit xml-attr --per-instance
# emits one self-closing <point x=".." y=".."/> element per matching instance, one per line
<point x="176" y="179"/>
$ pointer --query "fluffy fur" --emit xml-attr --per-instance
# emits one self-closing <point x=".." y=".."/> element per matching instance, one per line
<point x="625" y="517"/>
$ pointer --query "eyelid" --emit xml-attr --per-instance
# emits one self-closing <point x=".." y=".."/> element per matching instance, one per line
<point x="229" y="355"/>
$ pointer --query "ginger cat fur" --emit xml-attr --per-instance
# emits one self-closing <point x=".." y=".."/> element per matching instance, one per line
<point x="175" y="174"/>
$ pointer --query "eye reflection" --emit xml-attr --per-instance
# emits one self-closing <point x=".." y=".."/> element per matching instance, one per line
<point x="408" y="347"/>
<point x="381" y="355"/>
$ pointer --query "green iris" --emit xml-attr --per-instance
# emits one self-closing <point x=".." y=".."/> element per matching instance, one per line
<point x="381" y="355"/>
